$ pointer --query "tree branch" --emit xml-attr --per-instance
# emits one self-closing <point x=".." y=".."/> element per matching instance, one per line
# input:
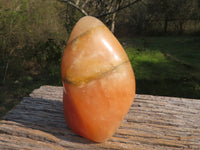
<point x="75" y="6"/>
<point x="120" y="8"/>
<point x="86" y="1"/>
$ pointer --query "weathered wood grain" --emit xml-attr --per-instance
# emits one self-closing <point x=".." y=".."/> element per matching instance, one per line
<point x="153" y="122"/>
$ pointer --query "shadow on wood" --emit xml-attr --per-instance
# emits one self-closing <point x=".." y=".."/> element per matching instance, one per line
<point x="153" y="122"/>
<point x="44" y="115"/>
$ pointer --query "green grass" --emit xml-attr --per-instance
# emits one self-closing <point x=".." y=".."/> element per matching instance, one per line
<point x="168" y="66"/>
<point x="12" y="93"/>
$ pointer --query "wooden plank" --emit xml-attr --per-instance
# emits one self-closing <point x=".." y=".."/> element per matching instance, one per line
<point x="153" y="122"/>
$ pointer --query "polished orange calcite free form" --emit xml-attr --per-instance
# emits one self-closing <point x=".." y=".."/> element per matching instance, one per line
<point x="98" y="80"/>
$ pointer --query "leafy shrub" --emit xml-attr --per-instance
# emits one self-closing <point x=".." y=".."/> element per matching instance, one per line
<point x="31" y="33"/>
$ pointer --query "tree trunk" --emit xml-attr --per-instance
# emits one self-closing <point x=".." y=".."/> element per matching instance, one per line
<point x="113" y="23"/>
<point x="181" y="22"/>
<point x="166" y="24"/>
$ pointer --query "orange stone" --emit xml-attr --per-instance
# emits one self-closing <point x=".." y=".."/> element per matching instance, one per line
<point x="98" y="80"/>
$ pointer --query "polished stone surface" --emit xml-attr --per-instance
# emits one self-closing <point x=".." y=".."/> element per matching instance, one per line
<point x="98" y="80"/>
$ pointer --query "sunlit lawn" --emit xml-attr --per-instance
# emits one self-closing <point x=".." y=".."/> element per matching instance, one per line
<point x="167" y="66"/>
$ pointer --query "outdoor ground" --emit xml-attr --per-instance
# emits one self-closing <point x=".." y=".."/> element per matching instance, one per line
<point x="167" y="66"/>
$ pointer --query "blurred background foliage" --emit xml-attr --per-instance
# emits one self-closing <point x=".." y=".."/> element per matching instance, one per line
<point x="34" y="33"/>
